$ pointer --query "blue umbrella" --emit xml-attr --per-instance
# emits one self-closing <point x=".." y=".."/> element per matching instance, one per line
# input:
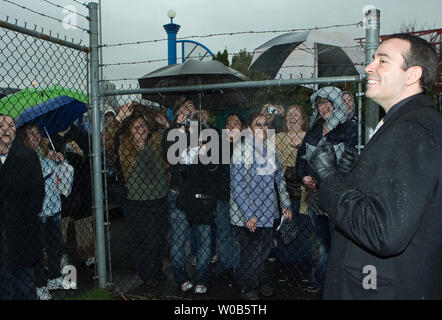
<point x="53" y="115"/>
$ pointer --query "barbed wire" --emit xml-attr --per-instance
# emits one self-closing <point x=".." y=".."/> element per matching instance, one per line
<point x="82" y="4"/>
<point x="273" y="31"/>
<point x="322" y="64"/>
<point x="230" y="54"/>
<point x="131" y="43"/>
<point x="281" y="67"/>
<point x="121" y="79"/>
<point x="134" y="62"/>
<point x="42" y="31"/>
<point x="63" y="7"/>
<point x="232" y="33"/>
<point x="45" y="15"/>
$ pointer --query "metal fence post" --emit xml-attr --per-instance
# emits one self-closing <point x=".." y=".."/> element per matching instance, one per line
<point x="371" y="44"/>
<point x="96" y="149"/>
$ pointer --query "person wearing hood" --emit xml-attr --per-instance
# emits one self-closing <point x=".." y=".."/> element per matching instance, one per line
<point x="109" y="116"/>
<point x="328" y="124"/>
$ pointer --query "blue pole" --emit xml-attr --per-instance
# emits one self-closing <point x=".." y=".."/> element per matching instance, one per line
<point x="172" y="30"/>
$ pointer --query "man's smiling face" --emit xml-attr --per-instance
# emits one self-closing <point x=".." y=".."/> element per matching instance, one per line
<point x="386" y="83"/>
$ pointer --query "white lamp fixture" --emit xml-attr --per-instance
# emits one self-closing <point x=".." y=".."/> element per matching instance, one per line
<point x="171" y="14"/>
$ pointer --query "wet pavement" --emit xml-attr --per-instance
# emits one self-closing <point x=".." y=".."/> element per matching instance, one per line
<point x="286" y="280"/>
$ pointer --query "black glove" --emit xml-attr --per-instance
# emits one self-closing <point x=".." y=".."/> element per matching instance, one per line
<point x="323" y="162"/>
<point x="348" y="158"/>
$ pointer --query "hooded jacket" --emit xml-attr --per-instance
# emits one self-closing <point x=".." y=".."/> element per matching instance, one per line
<point x="339" y="135"/>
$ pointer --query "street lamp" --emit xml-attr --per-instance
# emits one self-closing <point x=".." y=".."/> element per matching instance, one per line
<point x="172" y="30"/>
<point x="171" y="14"/>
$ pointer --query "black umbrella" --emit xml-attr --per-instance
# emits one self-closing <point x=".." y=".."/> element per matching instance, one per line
<point x="195" y="73"/>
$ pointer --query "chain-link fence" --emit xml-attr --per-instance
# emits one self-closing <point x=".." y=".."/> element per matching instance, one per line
<point x="47" y="225"/>
<point x="199" y="198"/>
<point x="206" y="190"/>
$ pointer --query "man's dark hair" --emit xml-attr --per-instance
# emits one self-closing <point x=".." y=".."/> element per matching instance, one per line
<point x="420" y="54"/>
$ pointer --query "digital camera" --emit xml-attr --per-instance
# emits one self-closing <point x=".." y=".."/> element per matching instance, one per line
<point x="187" y="121"/>
<point x="272" y="110"/>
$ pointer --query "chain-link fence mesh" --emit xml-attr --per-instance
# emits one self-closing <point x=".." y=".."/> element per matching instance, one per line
<point x="47" y="233"/>
<point x="207" y="192"/>
<point x="199" y="192"/>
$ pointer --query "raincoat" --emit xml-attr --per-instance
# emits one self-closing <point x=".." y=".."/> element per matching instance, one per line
<point x="388" y="211"/>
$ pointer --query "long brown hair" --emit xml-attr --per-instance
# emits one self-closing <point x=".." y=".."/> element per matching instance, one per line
<point x="127" y="123"/>
<point x="23" y="138"/>
<point x="303" y="117"/>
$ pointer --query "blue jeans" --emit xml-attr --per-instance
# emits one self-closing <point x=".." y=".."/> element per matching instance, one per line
<point x="228" y="246"/>
<point x="321" y="228"/>
<point x="192" y="240"/>
<point x="16" y="284"/>
<point x="179" y="226"/>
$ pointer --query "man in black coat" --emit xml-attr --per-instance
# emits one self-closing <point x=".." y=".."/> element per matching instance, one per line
<point x="21" y="199"/>
<point x="388" y="208"/>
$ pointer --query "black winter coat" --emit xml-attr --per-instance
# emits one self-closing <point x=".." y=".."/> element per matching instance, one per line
<point x="79" y="203"/>
<point x="22" y="191"/>
<point x="388" y="211"/>
<point x="190" y="180"/>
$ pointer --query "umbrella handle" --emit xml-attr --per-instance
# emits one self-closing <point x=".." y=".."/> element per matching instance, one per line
<point x="50" y="140"/>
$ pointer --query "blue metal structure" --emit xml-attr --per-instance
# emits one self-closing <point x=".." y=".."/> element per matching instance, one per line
<point x="184" y="56"/>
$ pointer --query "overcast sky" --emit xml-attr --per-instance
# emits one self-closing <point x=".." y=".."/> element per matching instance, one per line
<point x="140" y="20"/>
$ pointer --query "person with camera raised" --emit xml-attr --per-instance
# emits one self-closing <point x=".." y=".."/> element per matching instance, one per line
<point x="190" y="201"/>
<point x="274" y="114"/>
